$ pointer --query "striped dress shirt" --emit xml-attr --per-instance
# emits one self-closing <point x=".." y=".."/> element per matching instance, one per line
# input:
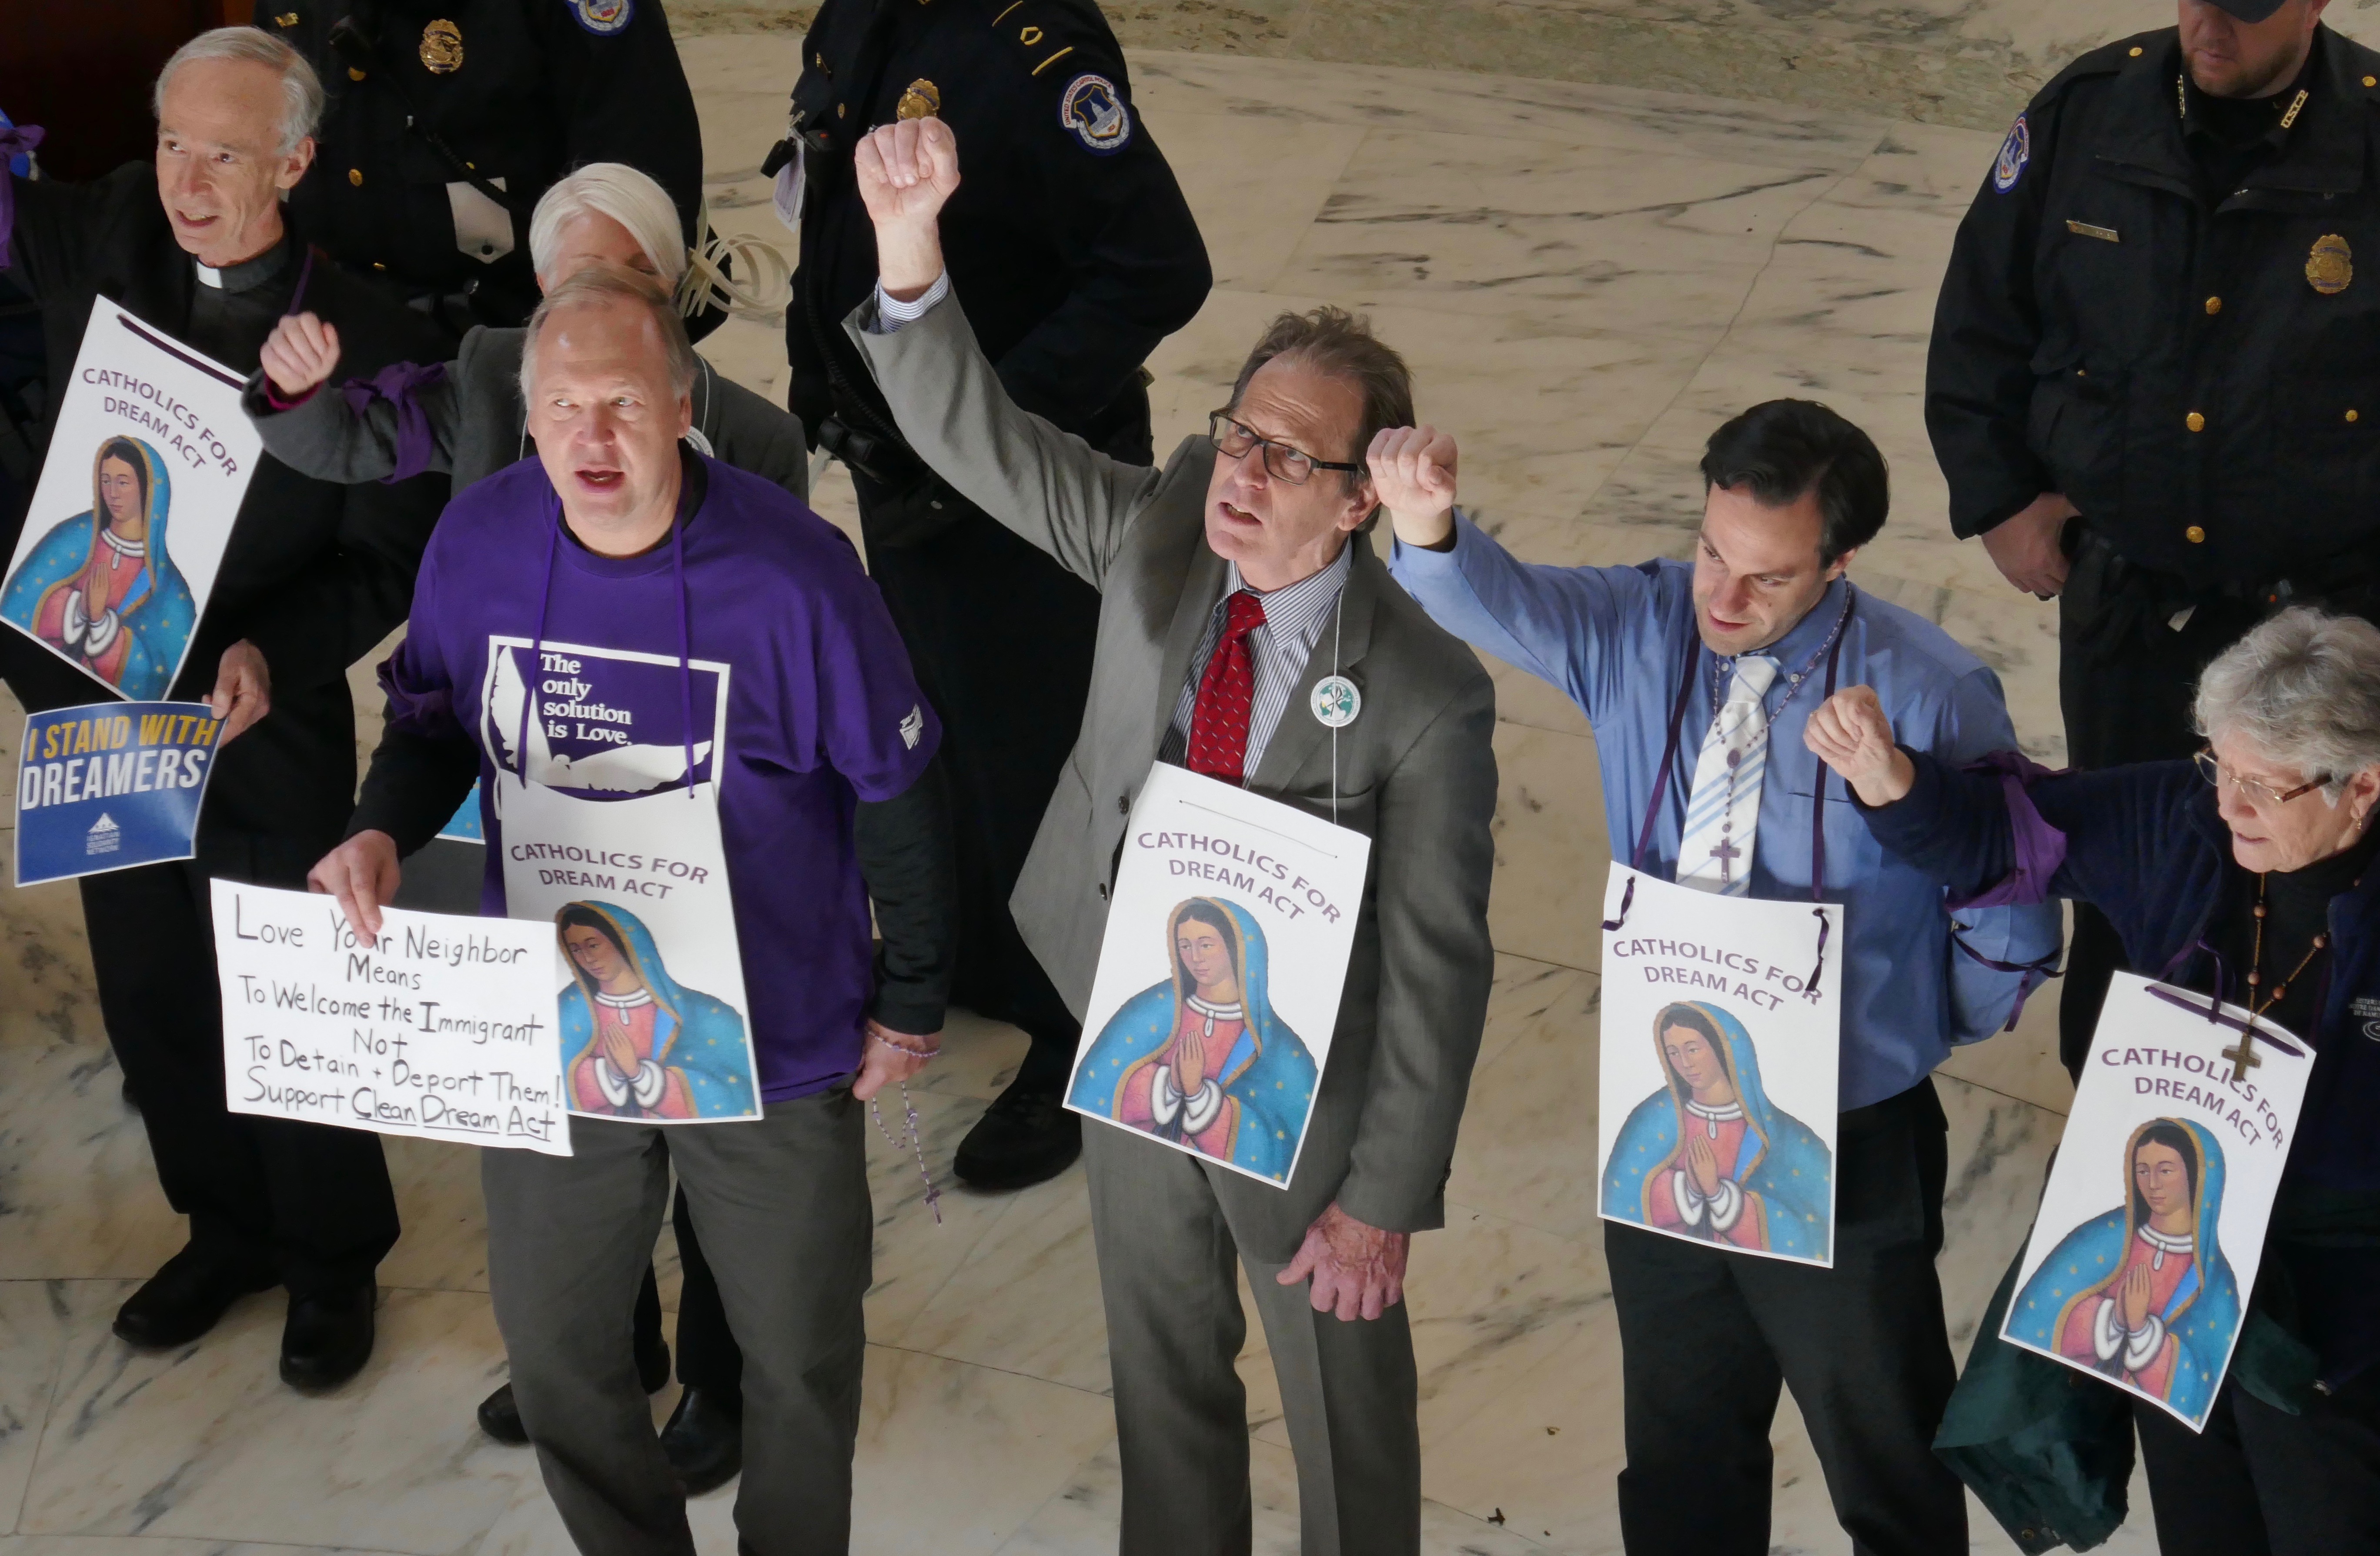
<point x="1295" y="619"/>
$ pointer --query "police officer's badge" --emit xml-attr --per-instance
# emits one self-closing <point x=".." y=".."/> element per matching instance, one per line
<point x="602" y="18"/>
<point x="922" y="101"/>
<point x="442" y="48"/>
<point x="2015" y="151"/>
<point x="1336" y="701"/>
<point x="1095" y="112"/>
<point x="2331" y="266"/>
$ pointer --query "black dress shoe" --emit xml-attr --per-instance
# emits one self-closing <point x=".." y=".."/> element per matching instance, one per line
<point x="187" y="1297"/>
<point x="704" y="1440"/>
<point x="328" y="1337"/>
<point x="500" y="1417"/>
<point x="1024" y="1137"/>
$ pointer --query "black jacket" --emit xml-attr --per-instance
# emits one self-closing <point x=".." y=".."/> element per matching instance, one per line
<point x="315" y="574"/>
<point x="2201" y="378"/>
<point x="1068" y="237"/>
<point x="537" y="87"/>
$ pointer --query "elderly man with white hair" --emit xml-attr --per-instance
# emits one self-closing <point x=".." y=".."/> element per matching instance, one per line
<point x="315" y="573"/>
<point x="2245" y="871"/>
<point x="466" y="417"/>
<point x="707" y="611"/>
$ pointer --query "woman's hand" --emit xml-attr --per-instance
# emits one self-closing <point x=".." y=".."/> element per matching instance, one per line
<point x="1702" y="1165"/>
<point x="2133" y="1300"/>
<point x="1850" y="734"/>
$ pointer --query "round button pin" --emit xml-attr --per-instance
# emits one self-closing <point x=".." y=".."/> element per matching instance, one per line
<point x="1336" y="701"/>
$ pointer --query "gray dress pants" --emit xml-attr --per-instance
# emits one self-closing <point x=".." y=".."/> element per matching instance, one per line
<point x="1168" y="1262"/>
<point x="782" y="1205"/>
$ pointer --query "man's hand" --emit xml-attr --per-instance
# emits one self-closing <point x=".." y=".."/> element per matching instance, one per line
<point x="907" y="170"/>
<point x="1850" y="734"/>
<point x="300" y="354"/>
<point x="883" y="1066"/>
<point x="2024" y="545"/>
<point x="1412" y="475"/>
<point x="243" y="691"/>
<point x="362" y="873"/>
<point x="1357" y="1270"/>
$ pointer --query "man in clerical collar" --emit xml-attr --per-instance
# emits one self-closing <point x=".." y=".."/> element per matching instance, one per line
<point x="195" y="246"/>
<point x="1791" y="490"/>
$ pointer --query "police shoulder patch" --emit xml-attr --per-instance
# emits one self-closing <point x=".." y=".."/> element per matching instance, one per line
<point x="2015" y="151"/>
<point x="602" y="18"/>
<point x="1095" y="114"/>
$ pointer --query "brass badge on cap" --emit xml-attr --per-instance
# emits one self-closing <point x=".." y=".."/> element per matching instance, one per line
<point x="2331" y="265"/>
<point x="442" y="48"/>
<point x="922" y="101"/>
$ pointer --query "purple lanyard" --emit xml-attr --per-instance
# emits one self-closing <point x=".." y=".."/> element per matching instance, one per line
<point x="1662" y="785"/>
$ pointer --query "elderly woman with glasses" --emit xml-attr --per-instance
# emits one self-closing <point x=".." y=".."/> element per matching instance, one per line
<point x="2250" y="867"/>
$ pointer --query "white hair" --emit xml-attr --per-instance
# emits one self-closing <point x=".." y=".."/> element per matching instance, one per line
<point x="2304" y="689"/>
<point x="301" y="90"/>
<point x="611" y="284"/>
<point x="629" y="198"/>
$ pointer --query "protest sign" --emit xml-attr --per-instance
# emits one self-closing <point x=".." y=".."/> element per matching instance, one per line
<point x="1721" y="1038"/>
<point x="1219" y="977"/>
<point x="2152" y="1229"/>
<point x="148" y="464"/>
<point x="109" y="785"/>
<point x="443" y="1028"/>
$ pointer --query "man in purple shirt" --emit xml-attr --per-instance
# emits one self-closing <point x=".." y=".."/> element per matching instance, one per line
<point x="652" y="584"/>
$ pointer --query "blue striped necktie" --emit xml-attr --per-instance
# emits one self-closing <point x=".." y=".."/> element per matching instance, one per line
<point x="1723" y="813"/>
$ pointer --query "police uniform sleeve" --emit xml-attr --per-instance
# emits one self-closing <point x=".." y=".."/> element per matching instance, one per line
<point x="1138" y="267"/>
<point x="1979" y="375"/>
<point x="622" y="94"/>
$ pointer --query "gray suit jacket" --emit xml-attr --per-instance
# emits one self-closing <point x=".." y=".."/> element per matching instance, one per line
<point x="477" y="423"/>
<point x="1416" y="773"/>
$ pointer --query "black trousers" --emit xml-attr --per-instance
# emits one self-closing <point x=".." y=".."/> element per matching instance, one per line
<point x="304" y="1203"/>
<point x="2126" y="680"/>
<point x="2261" y="1482"/>
<point x="1000" y="636"/>
<point x="1707" y="1337"/>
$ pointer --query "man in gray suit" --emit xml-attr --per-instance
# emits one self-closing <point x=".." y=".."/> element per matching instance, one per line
<point x="1247" y="553"/>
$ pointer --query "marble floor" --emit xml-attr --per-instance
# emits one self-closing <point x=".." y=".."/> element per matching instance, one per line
<point x="1586" y="278"/>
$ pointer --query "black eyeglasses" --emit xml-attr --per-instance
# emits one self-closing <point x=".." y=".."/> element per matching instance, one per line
<point x="2248" y="789"/>
<point x="1293" y="466"/>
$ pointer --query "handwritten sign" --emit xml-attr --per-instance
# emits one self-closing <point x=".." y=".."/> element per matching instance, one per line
<point x="1722" y="1040"/>
<point x="109" y="785"/>
<point x="442" y="1029"/>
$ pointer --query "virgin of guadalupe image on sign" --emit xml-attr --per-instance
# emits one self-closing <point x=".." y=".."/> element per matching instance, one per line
<point x="2142" y="1294"/>
<point x="100" y="589"/>
<point x="1708" y="1156"/>
<point x="635" y="1043"/>
<point x="1200" y="1060"/>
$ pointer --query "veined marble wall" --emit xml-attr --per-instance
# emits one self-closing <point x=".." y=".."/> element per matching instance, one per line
<point x="1586" y="279"/>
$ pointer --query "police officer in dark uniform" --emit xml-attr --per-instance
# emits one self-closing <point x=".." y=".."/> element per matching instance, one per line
<point x="448" y="118"/>
<point x="1076" y="253"/>
<point x="2154" y="380"/>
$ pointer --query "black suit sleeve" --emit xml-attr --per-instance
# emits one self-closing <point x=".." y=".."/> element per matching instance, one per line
<point x="58" y="227"/>
<point x="313" y="624"/>
<point x="622" y="97"/>
<point x="908" y="859"/>
<point x="1138" y="267"/>
<point x="1979" y="373"/>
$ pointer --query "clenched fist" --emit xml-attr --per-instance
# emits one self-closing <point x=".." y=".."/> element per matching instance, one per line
<point x="907" y="171"/>
<point x="299" y="353"/>
<point x="1850" y="734"/>
<point x="1412" y="475"/>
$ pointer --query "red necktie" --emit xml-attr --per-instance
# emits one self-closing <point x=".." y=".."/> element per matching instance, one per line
<point x="1218" y="720"/>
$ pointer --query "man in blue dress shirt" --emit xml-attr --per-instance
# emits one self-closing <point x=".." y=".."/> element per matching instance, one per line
<point x="1793" y="491"/>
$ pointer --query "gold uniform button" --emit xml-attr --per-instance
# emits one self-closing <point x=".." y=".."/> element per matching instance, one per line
<point x="2372" y="80"/>
<point x="354" y="74"/>
<point x="841" y="109"/>
<point x="2215" y="305"/>
<point x="2136" y="51"/>
<point x="377" y="265"/>
<point x="2352" y="416"/>
<point x="356" y="177"/>
<point x="2195" y="535"/>
<point x="2194" y="421"/>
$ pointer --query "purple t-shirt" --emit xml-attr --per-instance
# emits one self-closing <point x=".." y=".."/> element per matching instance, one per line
<point x="822" y="711"/>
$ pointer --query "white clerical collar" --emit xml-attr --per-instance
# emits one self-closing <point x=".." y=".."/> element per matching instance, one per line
<point x="1725" y="1113"/>
<point x="2165" y="1244"/>
<point x="208" y="276"/>
<point x="125" y="547"/>
<point x="1215" y="1012"/>
<point x="625" y="1002"/>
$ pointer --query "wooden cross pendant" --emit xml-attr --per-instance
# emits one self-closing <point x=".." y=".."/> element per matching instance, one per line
<point x="2243" y="1056"/>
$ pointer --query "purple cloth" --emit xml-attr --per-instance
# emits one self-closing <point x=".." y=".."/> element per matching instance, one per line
<point x="16" y="140"/>
<point x="397" y="384"/>
<point x="822" y="711"/>
<point x="2040" y="847"/>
